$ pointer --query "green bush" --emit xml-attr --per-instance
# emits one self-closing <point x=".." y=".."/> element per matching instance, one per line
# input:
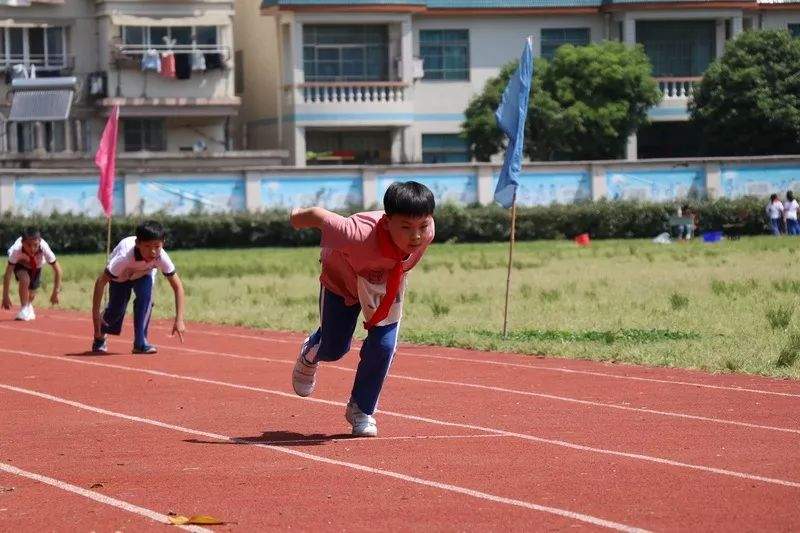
<point x="602" y="220"/>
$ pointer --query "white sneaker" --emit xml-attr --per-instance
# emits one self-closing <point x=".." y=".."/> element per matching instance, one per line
<point x="304" y="375"/>
<point x="363" y="425"/>
<point x="26" y="313"/>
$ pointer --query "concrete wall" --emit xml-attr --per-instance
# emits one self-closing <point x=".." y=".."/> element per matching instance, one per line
<point x="255" y="35"/>
<point x="231" y="186"/>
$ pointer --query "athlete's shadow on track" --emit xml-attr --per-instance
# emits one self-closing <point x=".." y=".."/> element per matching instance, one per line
<point x="280" y="438"/>
<point x="90" y="353"/>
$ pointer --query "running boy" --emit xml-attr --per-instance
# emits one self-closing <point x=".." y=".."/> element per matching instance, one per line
<point x="132" y="267"/>
<point x="26" y="257"/>
<point x="365" y="258"/>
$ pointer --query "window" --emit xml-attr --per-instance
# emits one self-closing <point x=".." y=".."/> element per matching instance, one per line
<point x="144" y="134"/>
<point x="156" y="35"/>
<point x="794" y="30"/>
<point x="678" y="48"/>
<point x="553" y="38"/>
<point x="345" y="53"/>
<point x="46" y="47"/>
<point x="445" y="148"/>
<point x="445" y="54"/>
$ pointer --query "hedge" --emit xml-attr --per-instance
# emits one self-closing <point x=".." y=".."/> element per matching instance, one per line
<point x="602" y="220"/>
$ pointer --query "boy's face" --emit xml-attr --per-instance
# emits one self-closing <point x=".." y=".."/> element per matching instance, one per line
<point x="149" y="249"/>
<point x="408" y="233"/>
<point x="31" y="246"/>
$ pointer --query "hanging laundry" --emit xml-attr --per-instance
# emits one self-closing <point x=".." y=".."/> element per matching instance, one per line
<point x="213" y="61"/>
<point x="98" y="84"/>
<point x="183" y="66"/>
<point x="198" y="61"/>
<point x="168" y="65"/>
<point x="151" y="61"/>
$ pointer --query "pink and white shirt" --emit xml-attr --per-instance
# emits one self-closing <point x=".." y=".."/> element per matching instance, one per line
<point x="353" y="266"/>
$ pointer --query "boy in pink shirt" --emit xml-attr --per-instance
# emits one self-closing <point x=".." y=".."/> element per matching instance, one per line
<point x="365" y="258"/>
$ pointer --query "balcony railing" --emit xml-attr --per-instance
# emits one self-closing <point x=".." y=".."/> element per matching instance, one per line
<point x="42" y="61"/>
<point x="675" y="89"/>
<point x="335" y="92"/>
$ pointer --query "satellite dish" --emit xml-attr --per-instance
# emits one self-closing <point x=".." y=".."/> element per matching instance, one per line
<point x="199" y="146"/>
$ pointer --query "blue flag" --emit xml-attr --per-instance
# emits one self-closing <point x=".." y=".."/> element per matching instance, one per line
<point x="511" y="119"/>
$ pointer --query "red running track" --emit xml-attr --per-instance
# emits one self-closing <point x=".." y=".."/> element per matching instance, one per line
<point x="468" y="440"/>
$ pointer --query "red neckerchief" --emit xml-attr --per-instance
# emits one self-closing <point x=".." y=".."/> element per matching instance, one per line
<point x="389" y="250"/>
<point x="31" y="259"/>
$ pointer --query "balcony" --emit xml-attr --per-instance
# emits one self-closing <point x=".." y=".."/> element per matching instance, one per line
<point x="346" y="92"/>
<point x="676" y="92"/>
<point x="677" y="89"/>
<point x="350" y="103"/>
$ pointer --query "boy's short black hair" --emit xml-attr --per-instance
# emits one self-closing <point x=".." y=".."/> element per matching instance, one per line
<point x="408" y="198"/>
<point x="31" y="233"/>
<point x="150" y="230"/>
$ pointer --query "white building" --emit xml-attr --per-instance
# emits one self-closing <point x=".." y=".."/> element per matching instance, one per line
<point x="380" y="81"/>
<point x="102" y="43"/>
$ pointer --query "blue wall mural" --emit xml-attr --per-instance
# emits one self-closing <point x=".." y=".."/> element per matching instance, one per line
<point x="63" y="195"/>
<point x="655" y="185"/>
<point x="455" y="188"/>
<point x="759" y="181"/>
<point x="207" y="194"/>
<point x="545" y="188"/>
<point x="331" y="192"/>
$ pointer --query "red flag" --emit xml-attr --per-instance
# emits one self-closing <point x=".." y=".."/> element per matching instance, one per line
<point x="106" y="161"/>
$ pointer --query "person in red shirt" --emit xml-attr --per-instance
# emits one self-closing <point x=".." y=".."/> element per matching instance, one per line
<point x="365" y="261"/>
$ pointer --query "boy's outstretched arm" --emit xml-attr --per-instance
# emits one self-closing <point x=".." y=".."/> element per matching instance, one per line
<point x="308" y="217"/>
<point x="97" y="298"/>
<point x="177" y="287"/>
<point x="57" y="275"/>
<point x="6" y="286"/>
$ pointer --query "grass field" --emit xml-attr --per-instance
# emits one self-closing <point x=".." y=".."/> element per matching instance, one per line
<point x="722" y="307"/>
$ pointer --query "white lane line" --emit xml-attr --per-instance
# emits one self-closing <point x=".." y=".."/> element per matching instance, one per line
<point x="96" y="496"/>
<point x="569" y="399"/>
<point x="589" y="519"/>
<point x="506" y="364"/>
<point x="524" y="436"/>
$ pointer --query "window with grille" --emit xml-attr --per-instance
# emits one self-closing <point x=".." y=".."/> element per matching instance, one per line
<point x="345" y="53"/>
<point x="144" y="134"/>
<point x="444" y="148"/>
<point x="445" y="54"/>
<point x="553" y="38"/>
<point x="44" y="47"/>
<point x="156" y="35"/>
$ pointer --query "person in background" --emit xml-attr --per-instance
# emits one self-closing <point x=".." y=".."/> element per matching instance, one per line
<point x="775" y="214"/>
<point x="790" y="214"/>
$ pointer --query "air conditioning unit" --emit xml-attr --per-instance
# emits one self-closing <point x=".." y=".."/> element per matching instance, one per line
<point x="417" y="69"/>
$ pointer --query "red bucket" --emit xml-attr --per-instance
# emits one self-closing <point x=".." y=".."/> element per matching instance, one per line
<point x="582" y="239"/>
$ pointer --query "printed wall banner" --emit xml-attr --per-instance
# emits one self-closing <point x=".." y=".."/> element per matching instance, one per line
<point x="44" y="196"/>
<point x="330" y="192"/>
<point x="545" y="188"/>
<point x="656" y="185"/>
<point x="446" y="188"/>
<point x="740" y="181"/>
<point x="206" y="194"/>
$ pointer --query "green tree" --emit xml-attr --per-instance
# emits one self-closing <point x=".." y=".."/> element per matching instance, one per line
<point x="584" y="104"/>
<point x="748" y="102"/>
